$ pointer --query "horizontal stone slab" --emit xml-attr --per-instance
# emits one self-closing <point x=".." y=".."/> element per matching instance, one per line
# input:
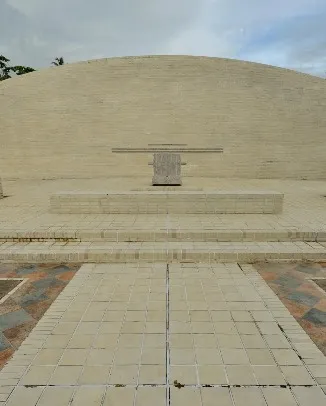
<point x="183" y="202"/>
<point x="107" y="252"/>
<point x="165" y="234"/>
<point x="167" y="149"/>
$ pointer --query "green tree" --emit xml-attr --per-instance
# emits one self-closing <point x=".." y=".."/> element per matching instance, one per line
<point x="21" y="70"/>
<point x="6" y="70"/>
<point x="58" y="61"/>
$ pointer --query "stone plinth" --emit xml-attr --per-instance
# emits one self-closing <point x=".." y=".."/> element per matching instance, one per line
<point x="183" y="202"/>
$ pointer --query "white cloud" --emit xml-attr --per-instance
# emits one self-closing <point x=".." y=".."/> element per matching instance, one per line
<point x="288" y="33"/>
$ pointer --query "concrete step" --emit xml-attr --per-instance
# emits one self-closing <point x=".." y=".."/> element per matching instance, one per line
<point x="164" y="235"/>
<point x="39" y="252"/>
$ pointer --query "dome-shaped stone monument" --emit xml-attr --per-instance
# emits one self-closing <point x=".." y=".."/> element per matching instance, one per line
<point x="63" y="122"/>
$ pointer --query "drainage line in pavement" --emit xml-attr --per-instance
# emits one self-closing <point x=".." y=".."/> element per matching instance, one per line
<point x="167" y="335"/>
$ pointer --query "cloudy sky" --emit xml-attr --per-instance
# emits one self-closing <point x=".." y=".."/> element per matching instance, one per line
<point x="286" y="33"/>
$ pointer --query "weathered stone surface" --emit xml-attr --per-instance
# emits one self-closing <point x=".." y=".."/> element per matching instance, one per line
<point x="1" y="190"/>
<point x="134" y="101"/>
<point x="167" y="169"/>
<point x="163" y="202"/>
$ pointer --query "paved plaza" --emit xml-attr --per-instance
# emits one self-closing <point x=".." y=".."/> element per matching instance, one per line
<point x="144" y="334"/>
<point x="172" y="313"/>
<point x="120" y="288"/>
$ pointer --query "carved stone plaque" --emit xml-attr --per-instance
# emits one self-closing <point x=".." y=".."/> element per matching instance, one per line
<point x="167" y="169"/>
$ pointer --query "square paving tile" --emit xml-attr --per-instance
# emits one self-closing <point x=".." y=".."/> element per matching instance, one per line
<point x="234" y="356"/>
<point x="186" y="396"/>
<point x="38" y="375"/>
<point x="208" y="356"/>
<point x="88" y="396"/>
<point x="94" y="375"/>
<point x="297" y="375"/>
<point x="286" y="357"/>
<point x="240" y="375"/>
<point x="66" y="375"/>
<point x="268" y="375"/>
<point x="53" y="396"/>
<point x="124" y="375"/>
<point x="211" y="395"/>
<point x="248" y="396"/>
<point x="152" y="374"/>
<point x="147" y="396"/>
<point x="184" y="374"/>
<point x="25" y="396"/>
<point x="279" y="397"/>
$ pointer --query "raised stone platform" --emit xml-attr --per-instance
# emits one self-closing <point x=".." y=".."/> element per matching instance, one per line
<point x="163" y="202"/>
<point x="25" y="219"/>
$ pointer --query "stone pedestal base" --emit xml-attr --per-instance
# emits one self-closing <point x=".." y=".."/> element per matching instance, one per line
<point x="183" y="202"/>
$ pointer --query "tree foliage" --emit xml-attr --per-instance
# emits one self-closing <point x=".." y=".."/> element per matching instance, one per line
<point x="58" y="61"/>
<point x="6" y="70"/>
<point x="21" y="70"/>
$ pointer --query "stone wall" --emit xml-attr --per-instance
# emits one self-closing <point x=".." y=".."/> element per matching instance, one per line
<point x="1" y="190"/>
<point x="62" y="122"/>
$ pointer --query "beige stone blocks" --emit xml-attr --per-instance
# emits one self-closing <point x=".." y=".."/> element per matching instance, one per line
<point x="85" y="237"/>
<point x="174" y="202"/>
<point x="211" y="252"/>
<point x="247" y="108"/>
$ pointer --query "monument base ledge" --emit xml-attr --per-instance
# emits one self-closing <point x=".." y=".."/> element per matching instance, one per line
<point x="167" y="201"/>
